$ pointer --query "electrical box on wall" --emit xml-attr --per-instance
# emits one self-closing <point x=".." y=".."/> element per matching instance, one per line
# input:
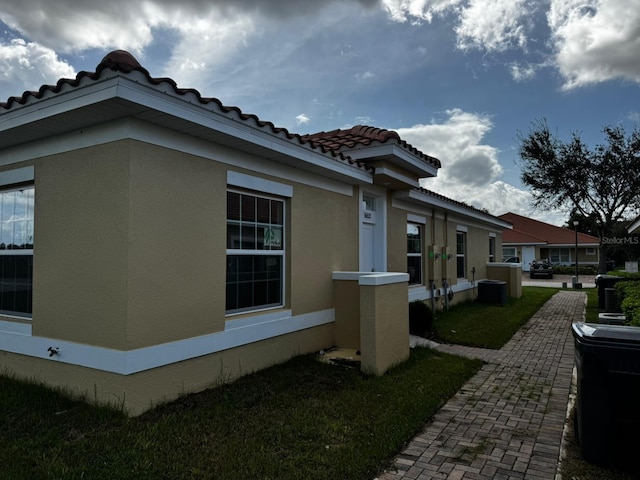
<point x="434" y="260"/>
<point x="446" y="261"/>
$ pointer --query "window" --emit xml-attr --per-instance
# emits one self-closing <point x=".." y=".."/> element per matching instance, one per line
<point x="16" y="250"/>
<point x="560" y="255"/>
<point x="461" y="247"/>
<point x="508" y="252"/>
<point x="414" y="253"/>
<point x="255" y="252"/>
<point x="492" y="249"/>
<point x="591" y="251"/>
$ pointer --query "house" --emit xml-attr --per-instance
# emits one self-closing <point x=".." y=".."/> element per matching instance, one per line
<point x="531" y="239"/>
<point x="157" y="242"/>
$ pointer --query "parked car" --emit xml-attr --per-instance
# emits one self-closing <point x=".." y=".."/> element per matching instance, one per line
<point x="540" y="268"/>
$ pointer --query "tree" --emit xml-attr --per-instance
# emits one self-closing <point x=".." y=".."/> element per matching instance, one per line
<point x="602" y="185"/>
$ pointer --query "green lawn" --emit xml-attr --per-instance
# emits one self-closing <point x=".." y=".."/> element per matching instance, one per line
<point x="489" y="326"/>
<point x="300" y="420"/>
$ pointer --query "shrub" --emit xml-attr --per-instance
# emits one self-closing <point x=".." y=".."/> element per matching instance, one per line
<point x="569" y="270"/>
<point x="420" y="318"/>
<point x="628" y="293"/>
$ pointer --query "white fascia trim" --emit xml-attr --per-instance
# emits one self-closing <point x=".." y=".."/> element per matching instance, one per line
<point x="413" y="218"/>
<point x="246" y="331"/>
<point x="259" y="184"/>
<point x="87" y="93"/>
<point x="633" y="228"/>
<point x="407" y="160"/>
<point x="571" y="245"/>
<point x="517" y="244"/>
<point x="427" y="200"/>
<point x="201" y="115"/>
<point x="397" y="176"/>
<point x="155" y="135"/>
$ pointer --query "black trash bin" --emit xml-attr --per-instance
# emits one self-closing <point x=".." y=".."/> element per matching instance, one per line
<point x="603" y="282"/>
<point x="607" y="359"/>
<point x="492" y="291"/>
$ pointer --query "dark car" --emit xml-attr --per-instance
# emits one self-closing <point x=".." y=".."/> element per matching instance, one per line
<point x="540" y="268"/>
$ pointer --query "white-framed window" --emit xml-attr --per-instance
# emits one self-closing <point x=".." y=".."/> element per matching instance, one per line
<point x="591" y="251"/>
<point x="16" y="249"/>
<point x="255" y="251"/>
<point x="414" y="253"/>
<point x="560" y="255"/>
<point x="492" y="248"/>
<point x="461" y="249"/>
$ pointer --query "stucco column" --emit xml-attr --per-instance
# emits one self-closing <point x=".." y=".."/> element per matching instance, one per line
<point x="384" y="321"/>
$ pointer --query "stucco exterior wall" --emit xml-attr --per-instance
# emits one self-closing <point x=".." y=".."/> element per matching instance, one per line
<point x="176" y="250"/>
<point x="384" y="326"/>
<point x="324" y="238"/>
<point x="81" y="239"/>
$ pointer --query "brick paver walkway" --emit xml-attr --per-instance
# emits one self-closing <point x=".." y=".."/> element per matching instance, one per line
<point x="507" y="421"/>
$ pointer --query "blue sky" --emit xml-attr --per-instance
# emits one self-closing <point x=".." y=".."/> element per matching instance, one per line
<point x="456" y="78"/>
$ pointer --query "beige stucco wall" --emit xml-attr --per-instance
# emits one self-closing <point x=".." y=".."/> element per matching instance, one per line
<point x="176" y="258"/>
<point x="129" y="246"/>
<point x="346" y="294"/>
<point x="141" y="391"/>
<point x="396" y="239"/>
<point x="324" y="238"/>
<point x="509" y="273"/>
<point x="384" y="326"/>
<point x="81" y="239"/>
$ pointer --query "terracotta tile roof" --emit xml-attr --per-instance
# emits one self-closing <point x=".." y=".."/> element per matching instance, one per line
<point x="528" y="230"/>
<point x="123" y="61"/>
<point x="338" y="140"/>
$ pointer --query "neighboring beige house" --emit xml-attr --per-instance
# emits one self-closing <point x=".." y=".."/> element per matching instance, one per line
<point x="155" y="242"/>
<point x="533" y="240"/>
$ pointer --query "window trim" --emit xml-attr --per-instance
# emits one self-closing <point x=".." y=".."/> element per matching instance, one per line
<point x="11" y="181"/>
<point x="492" y="251"/>
<point x="419" y="255"/>
<point x="462" y="255"/>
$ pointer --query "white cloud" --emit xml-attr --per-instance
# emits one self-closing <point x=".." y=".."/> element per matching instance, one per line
<point x="417" y="10"/>
<point x="596" y="40"/>
<point x="29" y="65"/>
<point x="470" y="170"/>
<point x="302" y="119"/>
<point x="521" y="72"/>
<point x="457" y="143"/>
<point x="494" y="25"/>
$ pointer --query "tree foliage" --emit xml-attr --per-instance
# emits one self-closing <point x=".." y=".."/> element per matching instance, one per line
<point x="600" y="184"/>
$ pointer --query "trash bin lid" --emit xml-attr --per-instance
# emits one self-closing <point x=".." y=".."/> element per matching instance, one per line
<point x="492" y="282"/>
<point x="597" y="333"/>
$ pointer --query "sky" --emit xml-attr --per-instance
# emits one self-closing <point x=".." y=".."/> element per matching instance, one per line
<point x="458" y="79"/>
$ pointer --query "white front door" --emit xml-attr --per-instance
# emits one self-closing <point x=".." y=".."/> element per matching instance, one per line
<point x="372" y="245"/>
<point x="528" y="256"/>
<point x="368" y="248"/>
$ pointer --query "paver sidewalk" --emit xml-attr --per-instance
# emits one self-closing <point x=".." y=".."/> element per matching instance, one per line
<point x="507" y="421"/>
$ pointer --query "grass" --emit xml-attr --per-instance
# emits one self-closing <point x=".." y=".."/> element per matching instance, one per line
<point x="299" y="420"/>
<point x="592" y="310"/>
<point x="489" y="326"/>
